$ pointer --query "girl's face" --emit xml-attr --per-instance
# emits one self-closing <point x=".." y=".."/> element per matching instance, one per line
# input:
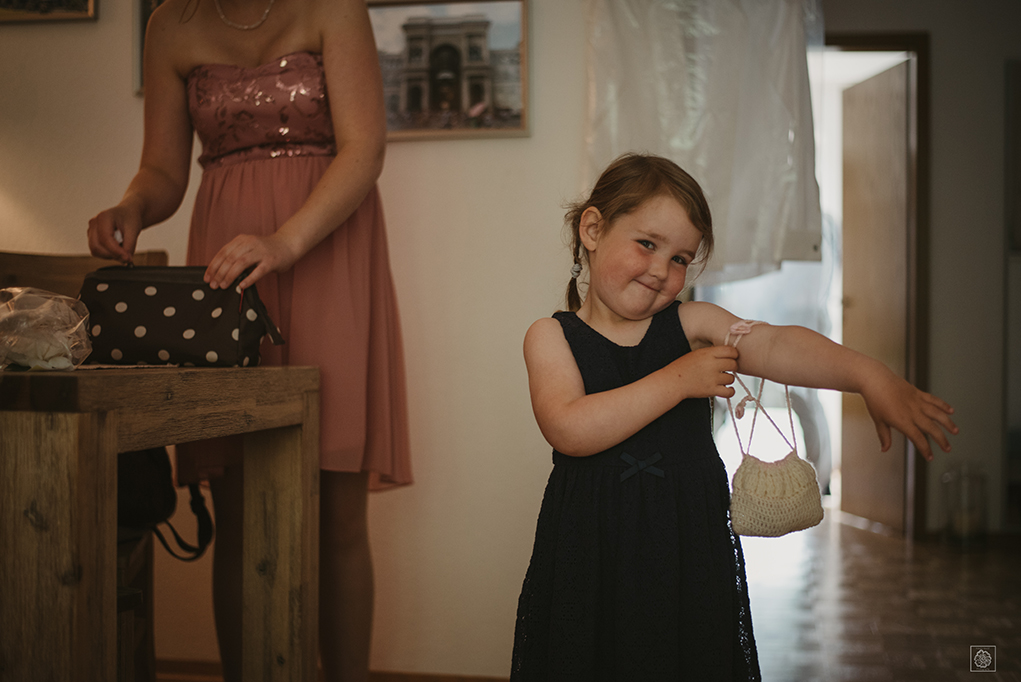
<point x="639" y="263"/>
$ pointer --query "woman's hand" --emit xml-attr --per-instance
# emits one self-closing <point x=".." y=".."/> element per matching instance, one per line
<point x="267" y="254"/>
<point x="113" y="233"/>
<point x="893" y="402"/>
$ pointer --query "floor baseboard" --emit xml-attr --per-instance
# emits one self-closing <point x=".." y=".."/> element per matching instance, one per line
<point x="188" y="671"/>
<point x="420" y="677"/>
<point x="207" y="671"/>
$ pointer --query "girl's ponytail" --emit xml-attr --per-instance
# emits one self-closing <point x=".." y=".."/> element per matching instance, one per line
<point x="578" y="252"/>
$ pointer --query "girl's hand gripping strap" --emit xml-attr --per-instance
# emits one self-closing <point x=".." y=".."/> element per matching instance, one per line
<point x="737" y="330"/>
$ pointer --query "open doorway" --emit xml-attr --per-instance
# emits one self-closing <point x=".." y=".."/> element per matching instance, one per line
<point x="854" y="76"/>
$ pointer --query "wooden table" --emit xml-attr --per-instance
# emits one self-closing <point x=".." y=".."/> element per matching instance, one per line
<point x="60" y="433"/>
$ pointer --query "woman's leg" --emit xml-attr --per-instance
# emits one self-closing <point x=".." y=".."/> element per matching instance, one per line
<point x="228" y="501"/>
<point x="346" y="591"/>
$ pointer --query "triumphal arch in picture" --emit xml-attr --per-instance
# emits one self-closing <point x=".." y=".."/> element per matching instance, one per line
<point x="447" y="75"/>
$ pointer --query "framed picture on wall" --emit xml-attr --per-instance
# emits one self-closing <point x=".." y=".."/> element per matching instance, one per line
<point x="143" y="10"/>
<point x="453" y="69"/>
<point x="1012" y="140"/>
<point x="46" y="10"/>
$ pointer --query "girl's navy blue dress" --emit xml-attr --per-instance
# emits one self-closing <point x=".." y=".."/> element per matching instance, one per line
<point x="636" y="573"/>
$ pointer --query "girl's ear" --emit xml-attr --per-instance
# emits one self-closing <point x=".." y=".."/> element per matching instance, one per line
<point x="589" y="227"/>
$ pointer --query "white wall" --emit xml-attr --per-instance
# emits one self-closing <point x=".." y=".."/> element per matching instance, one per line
<point x="70" y="131"/>
<point x="476" y="241"/>
<point x="477" y="251"/>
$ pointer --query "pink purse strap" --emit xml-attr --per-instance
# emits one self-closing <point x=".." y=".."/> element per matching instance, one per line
<point x="737" y="330"/>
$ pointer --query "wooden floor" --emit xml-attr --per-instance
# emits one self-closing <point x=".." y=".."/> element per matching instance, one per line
<point x="188" y="671"/>
<point x="837" y="603"/>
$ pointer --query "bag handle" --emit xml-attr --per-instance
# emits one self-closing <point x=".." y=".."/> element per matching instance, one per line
<point x="738" y="330"/>
<point x="205" y="529"/>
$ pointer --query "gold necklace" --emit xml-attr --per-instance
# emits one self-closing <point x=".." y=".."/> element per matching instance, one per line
<point x="243" y="27"/>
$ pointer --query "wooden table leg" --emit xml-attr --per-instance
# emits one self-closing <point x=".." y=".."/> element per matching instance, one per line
<point x="58" y="519"/>
<point x="280" y="573"/>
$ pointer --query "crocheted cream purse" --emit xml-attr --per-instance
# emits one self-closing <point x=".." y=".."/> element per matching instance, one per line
<point x="770" y="499"/>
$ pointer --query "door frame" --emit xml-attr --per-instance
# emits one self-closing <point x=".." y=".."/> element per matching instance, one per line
<point x="918" y="239"/>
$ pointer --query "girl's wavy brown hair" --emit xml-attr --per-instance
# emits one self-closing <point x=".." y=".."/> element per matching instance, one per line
<point x="627" y="183"/>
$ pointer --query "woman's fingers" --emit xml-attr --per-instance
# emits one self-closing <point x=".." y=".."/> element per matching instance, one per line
<point x="102" y="243"/>
<point x="223" y="273"/>
<point x="130" y="240"/>
<point x="254" y="276"/>
<point x="241" y="253"/>
<point x="114" y="234"/>
<point x="230" y="262"/>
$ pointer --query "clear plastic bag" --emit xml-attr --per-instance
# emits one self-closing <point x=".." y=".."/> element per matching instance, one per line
<point x="42" y="330"/>
<point x="721" y="87"/>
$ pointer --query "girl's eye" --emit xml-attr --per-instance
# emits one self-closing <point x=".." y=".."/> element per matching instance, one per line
<point x="646" y="243"/>
<point x="680" y="260"/>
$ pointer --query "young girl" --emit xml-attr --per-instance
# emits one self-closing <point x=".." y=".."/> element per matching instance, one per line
<point x="636" y="573"/>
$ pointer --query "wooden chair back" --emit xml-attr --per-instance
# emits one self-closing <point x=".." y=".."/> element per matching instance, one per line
<point x="60" y="274"/>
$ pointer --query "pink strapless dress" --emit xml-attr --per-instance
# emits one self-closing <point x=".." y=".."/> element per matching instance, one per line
<point x="267" y="138"/>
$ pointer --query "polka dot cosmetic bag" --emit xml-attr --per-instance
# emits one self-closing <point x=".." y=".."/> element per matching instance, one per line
<point x="154" y="315"/>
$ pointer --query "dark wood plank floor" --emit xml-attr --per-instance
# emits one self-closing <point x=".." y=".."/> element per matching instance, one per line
<point x="837" y="603"/>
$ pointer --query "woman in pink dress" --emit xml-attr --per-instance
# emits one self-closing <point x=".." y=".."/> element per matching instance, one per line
<point x="286" y="98"/>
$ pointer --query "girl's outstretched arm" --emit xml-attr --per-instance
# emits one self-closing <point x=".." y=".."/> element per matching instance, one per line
<point x="577" y="424"/>
<point x="801" y="357"/>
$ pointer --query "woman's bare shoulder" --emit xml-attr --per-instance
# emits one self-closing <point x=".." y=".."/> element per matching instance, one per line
<point x="173" y="16"/>
<point x="174" y="36"/>
<point x="330" y="15"/>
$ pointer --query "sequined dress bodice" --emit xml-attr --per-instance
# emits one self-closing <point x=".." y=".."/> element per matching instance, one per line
<point x="276" y="109"/>
<point x="267" y="144"/>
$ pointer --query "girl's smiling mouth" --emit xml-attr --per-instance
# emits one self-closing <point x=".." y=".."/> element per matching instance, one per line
<point x="648" y="286"/>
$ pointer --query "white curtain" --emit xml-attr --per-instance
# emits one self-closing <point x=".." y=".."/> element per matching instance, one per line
<point x="721" y="87"/>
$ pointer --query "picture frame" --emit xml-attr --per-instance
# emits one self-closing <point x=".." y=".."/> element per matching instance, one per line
<point x="1012" y="155"/>
<point x="12" y="11"/>
<point x="453" y="68"/>
<point x="143" y="10"/>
